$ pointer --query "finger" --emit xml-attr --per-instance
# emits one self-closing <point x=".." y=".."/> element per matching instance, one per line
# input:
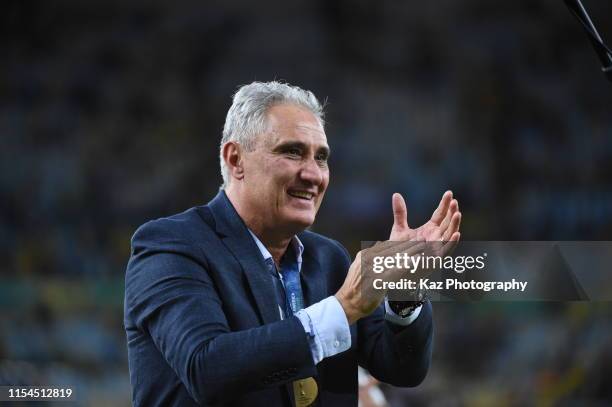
<point x="440" y="211"/>
<point x="400" y="212"/>
<point x="452" y="208"/>
<point x="452" y="243"/>
<point x="454" y="226"/>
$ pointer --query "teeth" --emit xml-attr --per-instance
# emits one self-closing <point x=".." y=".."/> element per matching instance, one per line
<point x="300" y="194"/>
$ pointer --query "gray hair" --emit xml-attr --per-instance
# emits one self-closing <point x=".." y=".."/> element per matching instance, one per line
<point x="246" y="118"/>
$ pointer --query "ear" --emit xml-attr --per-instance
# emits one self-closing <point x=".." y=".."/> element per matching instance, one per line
<point x="232" y="155"/>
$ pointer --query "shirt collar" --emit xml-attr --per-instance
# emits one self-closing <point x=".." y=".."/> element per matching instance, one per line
<point x="296" y="243"/>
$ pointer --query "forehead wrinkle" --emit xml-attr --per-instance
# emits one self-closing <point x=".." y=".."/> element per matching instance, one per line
<point x="299" y="127"/>
<point x="275" y="135"/>
<point x="307" y="130"/>
<point x="310" y="127"/>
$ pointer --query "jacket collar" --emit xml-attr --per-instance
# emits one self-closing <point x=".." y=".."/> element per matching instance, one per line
<point x="237" y="238"/>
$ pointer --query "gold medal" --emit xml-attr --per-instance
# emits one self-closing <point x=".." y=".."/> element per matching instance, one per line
<point x="305" y="392"/>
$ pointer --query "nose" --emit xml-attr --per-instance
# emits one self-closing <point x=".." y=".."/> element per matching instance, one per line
<point x="312" y="172"/>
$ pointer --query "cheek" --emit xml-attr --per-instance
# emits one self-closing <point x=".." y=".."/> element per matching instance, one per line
<point x="275" y="175"/>
<point x="282" y="171"/>
<point x="325" y="183"/>
<point x="266" y="173"/>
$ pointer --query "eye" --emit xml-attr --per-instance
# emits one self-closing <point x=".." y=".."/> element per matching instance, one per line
<point x="294" y="151"/>
<point x="322" y="160"/>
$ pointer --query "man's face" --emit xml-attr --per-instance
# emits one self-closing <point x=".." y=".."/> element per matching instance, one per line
<point x="286" y="175"/>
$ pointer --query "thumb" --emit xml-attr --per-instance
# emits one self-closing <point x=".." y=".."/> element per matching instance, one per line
<point x="400" y="212"/>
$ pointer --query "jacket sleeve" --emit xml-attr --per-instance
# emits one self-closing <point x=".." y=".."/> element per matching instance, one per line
<point x="395" y="354"/>
<point x="171" y="296"/>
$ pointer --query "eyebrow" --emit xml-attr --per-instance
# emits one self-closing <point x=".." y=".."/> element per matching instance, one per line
<point x="298" y="144"/>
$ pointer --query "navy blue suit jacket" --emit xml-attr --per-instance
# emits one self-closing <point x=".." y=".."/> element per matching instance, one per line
<point x="203" y="326"/>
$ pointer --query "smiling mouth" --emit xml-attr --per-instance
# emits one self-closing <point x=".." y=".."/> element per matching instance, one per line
<point x="307" y="196"/>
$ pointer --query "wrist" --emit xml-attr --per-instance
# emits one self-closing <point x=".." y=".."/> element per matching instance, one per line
<point x="404" y="308"/>
<point x="351" y="312"/>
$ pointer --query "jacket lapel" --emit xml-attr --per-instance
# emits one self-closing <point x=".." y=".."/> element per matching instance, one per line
<point x="314" y="281"/>
<point x="239" y="241"/>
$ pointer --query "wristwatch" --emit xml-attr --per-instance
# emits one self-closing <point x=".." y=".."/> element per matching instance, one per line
<point x="405" y="308"/>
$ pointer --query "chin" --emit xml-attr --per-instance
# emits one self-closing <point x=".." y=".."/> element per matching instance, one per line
<point x="300" y="222"/>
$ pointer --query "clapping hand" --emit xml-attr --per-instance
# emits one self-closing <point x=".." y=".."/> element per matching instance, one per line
<point x="442" y="227"/>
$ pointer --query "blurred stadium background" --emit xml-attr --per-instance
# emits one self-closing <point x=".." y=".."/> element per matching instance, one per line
<point x="111" y="113"/>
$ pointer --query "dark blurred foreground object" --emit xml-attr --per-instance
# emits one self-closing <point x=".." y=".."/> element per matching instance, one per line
<point x="603" y="52"/>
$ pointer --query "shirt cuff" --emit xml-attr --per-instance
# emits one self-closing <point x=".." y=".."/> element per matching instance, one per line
<point x="327" y="328"/>
<point x="396" y="319"/>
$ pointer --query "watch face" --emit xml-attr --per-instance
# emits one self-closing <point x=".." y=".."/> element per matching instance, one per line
<point x="405" y="312"/>
<point x="405" y="308"/>
<point x="402" y="308"/>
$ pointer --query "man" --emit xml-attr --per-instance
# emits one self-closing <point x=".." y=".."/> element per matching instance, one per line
<point x="235" y="303"/>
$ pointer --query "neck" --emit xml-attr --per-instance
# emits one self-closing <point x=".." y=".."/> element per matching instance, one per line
<point x="275" y="240"/>
<point x="275" y="245"/>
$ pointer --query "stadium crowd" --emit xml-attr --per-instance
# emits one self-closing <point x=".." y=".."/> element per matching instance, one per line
<point x="111" y="114"/>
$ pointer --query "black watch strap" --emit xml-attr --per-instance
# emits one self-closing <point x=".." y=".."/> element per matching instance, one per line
<point x="405" y="308"/>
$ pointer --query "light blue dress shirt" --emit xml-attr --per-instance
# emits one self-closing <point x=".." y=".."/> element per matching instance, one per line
<point x="325" y="322"/>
